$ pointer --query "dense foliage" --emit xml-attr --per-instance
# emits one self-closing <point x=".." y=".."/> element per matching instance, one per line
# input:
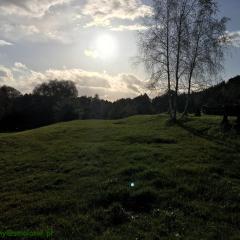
<point x="57" y="101"/>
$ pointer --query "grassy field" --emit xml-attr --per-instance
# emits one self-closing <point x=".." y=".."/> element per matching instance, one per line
<point x="131" y="179"/>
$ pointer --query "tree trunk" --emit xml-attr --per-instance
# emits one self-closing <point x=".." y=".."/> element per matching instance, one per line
<point x="177" y="79"/>
<point x="185" y="112"/>
<point x="179" y="39"/>
<point x="168" y="69"/>
<point x="170" y="104"/>
<point x="192" y="67"/>
<point x="174" y="118"/>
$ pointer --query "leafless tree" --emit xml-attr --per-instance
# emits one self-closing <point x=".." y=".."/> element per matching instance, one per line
<point x="182" y="45"/>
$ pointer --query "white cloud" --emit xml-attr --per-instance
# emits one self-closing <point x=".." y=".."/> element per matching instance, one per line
<point x="40" y="31"/>
<point x="20" y="65"/>
<point x="23" y="20"/>
<point x="134" y="27"/>
<point x="5" y="43"/>
<point x="102" y="12"/>
<point x="63" y="20"/>
<point x="108" y="86"/>
<point x="6" y="75"/>
<point x="32" y="8"/>
<point x="29" y="29"/>
<point x="233" y="38"/>
<point x="16" y="31"/>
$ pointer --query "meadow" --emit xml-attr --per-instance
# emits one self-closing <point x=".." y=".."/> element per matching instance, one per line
<point x="135" y="178"/>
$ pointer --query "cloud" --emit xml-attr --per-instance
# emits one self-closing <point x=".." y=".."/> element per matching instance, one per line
<point x="17" y="31"/>
<point x="49" y="29"/>
<point x="134" y="27"/>
<point x="102" y="12"/>
<point x="32" y="8"/>
<point x="233" y="38"/>
<point x="5" y="43"/>
<point x="29" y="29"/>
<point x="63" y="20"/>
<point x="108" y="86"/>
<point x="20" y="65"/>
<point x="23" y="20"/>
<point x="91" y="53"/>
<point x="6" y="75"/>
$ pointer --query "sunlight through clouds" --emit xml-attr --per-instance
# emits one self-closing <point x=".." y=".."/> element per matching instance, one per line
<point x="53" y="33"/>
<point x="104" y="47"/>
<point x="102" y="12"/>
<point x="91" y="53"/>
<point x="233" y="38"/>
<point x="110" y="87"/>
<point x="135" y="27"/>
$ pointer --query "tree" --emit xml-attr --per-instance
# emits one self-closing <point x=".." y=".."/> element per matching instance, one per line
<point x="9" y="92"/>
<point x="57" y="89"/>
<point x="182" y="45"/>
<point x="7" y="95"/>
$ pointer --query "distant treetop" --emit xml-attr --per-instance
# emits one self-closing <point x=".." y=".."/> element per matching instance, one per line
<point x="9" y="92"/>
<point x="58" y="89"/>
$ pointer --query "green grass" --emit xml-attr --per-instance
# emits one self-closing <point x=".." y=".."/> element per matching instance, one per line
<point x="76" y="178"/>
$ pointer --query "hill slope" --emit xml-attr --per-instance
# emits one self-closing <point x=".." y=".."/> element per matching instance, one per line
<point x="135" y="178"/>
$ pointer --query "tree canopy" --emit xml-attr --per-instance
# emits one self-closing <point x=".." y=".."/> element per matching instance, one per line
<point x="58" y="89"/>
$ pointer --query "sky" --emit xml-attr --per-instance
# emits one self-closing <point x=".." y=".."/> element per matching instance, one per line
<point x="91" y="42"/>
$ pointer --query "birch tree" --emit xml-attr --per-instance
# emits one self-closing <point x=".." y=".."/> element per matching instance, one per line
<point x="183" y="44"/>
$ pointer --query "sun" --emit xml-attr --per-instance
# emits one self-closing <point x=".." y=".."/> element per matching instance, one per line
<point x="106" y="46"/>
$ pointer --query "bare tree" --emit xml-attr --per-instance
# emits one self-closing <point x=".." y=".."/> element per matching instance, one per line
<point x="183" y="43"/>
<point x="155" y="48"/>
<point x="204" y="49"/>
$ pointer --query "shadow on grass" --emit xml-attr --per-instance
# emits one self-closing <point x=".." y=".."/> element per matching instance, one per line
<point x="230" y="145"/>
<point x="148" y="140"/>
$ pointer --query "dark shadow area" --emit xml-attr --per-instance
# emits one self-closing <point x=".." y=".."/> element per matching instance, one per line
<point x="57" y="101"/>
<point x="149" y="140"/>
<point x="231" y="146"/>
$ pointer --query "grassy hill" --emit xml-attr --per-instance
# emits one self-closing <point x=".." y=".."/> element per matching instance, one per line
<point x="136" y="178"/>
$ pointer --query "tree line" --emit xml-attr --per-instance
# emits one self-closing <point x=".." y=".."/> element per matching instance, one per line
<point x="57" y="101"/>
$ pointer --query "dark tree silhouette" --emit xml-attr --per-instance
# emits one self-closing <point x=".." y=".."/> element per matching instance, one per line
<point x="58" y="89"/>
<point x="9" y="92"/>
<point x="20" y="112"/>
<point x="7" y="95"/>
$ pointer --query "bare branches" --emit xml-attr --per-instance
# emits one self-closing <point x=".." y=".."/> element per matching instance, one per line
<point x="182" y="46"/>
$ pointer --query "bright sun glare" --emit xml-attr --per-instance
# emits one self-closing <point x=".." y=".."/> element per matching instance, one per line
<point x="106" y="46"/>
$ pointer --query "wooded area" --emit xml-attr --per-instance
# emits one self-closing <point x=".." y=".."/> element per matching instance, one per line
<point x="58" y="101"/>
